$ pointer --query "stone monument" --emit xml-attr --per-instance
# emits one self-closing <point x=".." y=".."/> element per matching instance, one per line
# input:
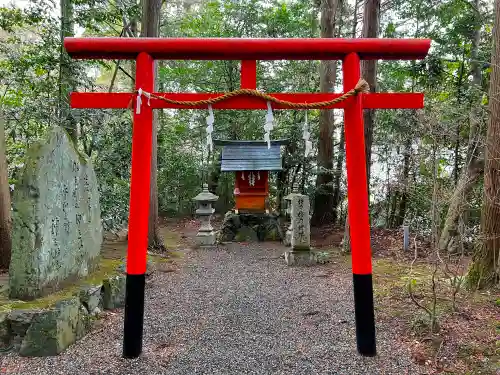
<point x="57" y="232"/>
<point x="206" y="235"/>
<point x="301" y="253"/>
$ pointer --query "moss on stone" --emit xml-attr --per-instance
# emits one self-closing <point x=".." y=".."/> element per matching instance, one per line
<point x="52" y="330"/>
<point x="105" y="268"/>
<point x="113" y="292"/>
<point x="4" y="330"/>
<point x="60" y="319"/>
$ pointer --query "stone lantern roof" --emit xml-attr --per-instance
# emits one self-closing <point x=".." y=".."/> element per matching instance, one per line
<point x="206" y="195"/>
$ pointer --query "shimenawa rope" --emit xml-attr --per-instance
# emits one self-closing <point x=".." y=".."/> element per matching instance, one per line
<point x="361" y="87"/>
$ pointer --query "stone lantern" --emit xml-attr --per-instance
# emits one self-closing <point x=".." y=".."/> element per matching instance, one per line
<point x="288" y="198"/>
<point x="206" y="234"/>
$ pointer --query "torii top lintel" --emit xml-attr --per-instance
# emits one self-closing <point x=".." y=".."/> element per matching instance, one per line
<point x="246" y="49"/>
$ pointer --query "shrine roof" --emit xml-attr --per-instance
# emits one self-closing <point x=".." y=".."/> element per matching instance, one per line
<point x="250" y="155"/>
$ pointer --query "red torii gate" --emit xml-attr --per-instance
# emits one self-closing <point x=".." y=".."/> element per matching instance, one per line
<point x="146" y="50"/>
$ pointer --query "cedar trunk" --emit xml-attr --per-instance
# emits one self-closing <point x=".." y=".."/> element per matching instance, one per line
<point x="341" y="151"/>
<point x="371" y="19"/>
<point x="484" y="269"/>
<point x="347" y="239"/>
<point x="66" y="71"/>
<point x="338" y="175"/>
<point x="323" y="200"/>
<point x="399" y="220"/>
<point x="474" y="167"/>
<point x="150" y="29"/>
<point x="467" y="180"/>
<point x="5" y="219"/>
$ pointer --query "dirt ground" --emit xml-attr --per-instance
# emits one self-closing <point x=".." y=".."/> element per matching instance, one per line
<point x="465" y="337"/>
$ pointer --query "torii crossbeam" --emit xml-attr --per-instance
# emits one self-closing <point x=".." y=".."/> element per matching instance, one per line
<point x="146" y="50"/>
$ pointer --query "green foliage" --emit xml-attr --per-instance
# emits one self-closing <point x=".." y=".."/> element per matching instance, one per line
<point x="178" y="171"/>
<point x="30" y="97"/>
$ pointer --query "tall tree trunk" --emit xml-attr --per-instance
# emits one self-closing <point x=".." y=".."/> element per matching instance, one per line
<point x="150" y="28"/>
<point x="215" y="173"/>
<point x="132" y="34"/>
<point x="346" y="241"/>
<point x="434" y="207"/>
<point x="340" y="154"/>
<point x="484" y="270"/>
<point x="456" y="169"/>
<point x="387" y="208"/>
<point x="474" y="167"/>
<point x="467" y="180"/>
<point x="404" y="182"/>
<point x="323" y="199"/>
<point x="394" y="204"/>
<point x="66" y="72"/>
<point x="281" y="180"/>
<point x="371" y="19"/>
<point x="5" y="220"/>
<point x="456" y="152"/>
<point x="338" y="174"/>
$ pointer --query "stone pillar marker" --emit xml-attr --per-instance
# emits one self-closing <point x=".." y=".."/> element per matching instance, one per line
<point x="301" y="231"/>
<point x="288" y="198"/>
<point x="206" y="234"/>
<point x="406" y="237"/>
<point x="301" y="253"/>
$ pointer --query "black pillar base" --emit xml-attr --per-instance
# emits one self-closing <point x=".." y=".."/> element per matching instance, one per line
<point x="134" y="316"/>
<point x="365" y="316"/>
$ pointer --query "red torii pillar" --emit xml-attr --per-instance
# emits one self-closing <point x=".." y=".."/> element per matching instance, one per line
<point x="146" y="50"/>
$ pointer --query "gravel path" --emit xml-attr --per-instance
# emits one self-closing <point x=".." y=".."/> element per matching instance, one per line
<point x="236" y="310"/>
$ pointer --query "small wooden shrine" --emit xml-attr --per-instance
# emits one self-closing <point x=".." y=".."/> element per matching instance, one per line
<point x="251" y="161"/>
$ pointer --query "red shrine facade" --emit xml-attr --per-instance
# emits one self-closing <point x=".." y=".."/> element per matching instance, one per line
<point x="252" y="162"/>
<point x="251" y="189"/>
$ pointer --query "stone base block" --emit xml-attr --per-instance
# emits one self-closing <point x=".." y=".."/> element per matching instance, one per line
<point x="250" y="227"/>
<point x="300" y="258"/>
<point x="52" y="331"/>
<point x="288" y="238"/>
<point x="90" y="297"/>
<point x="47" y="331"/>
<point x="4" y="331"/>
<point x="113" y="295"/>
<point x="206" y="239"/>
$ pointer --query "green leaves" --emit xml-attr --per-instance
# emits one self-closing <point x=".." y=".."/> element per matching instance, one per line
<point x="10" y="18"/>
<point x="29" y="72"/>
<point x="390" y="30"/>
